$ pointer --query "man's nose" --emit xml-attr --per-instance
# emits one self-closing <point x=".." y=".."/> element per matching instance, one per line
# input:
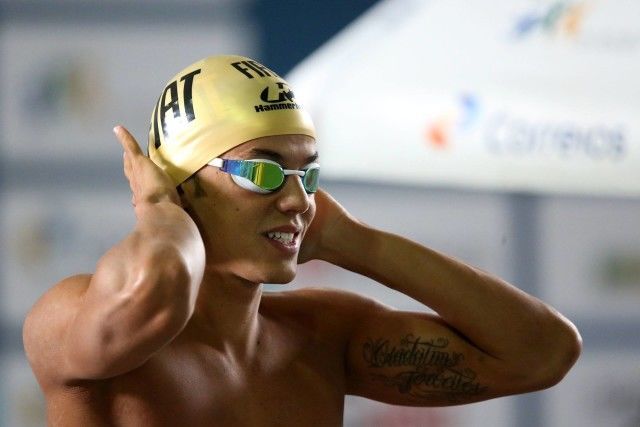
<point x="292" y="196"/>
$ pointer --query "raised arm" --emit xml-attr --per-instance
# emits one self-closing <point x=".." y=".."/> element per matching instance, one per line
<point x="488" y="338"/>
<point x="140" y="297"/>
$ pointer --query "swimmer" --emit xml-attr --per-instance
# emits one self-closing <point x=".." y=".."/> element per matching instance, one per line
<point x="173" y="327"/>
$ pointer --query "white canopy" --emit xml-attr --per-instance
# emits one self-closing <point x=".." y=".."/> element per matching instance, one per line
<point x="506" y="94"/>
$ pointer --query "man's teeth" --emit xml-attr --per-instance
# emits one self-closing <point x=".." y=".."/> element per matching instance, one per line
<point x="282" y="237"/>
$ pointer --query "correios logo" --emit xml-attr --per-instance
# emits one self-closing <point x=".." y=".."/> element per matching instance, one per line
<point x="508" y="133"/>
<point x="461" y="119"/>
<point x="558" y="18"/>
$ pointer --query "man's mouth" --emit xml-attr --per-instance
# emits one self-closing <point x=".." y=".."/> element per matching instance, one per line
<point x="285" y="238"/>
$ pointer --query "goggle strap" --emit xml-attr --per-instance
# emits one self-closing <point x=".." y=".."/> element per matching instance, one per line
<point x="217" y="162"/>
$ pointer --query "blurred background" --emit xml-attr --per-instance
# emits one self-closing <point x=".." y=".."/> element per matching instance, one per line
<point x="505" y="133"/>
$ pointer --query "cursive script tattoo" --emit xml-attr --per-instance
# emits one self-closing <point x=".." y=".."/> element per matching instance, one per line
<point x="421" y="368"/>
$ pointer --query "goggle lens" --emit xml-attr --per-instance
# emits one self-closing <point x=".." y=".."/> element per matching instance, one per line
<point x="268" y="175"/>
<point x="311" y="179"/>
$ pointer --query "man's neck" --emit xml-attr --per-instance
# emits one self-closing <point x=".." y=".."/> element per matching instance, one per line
<point x="227" y="312"/>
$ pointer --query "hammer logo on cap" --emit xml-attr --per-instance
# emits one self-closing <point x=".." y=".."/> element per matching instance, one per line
<point x="285" y="94"/>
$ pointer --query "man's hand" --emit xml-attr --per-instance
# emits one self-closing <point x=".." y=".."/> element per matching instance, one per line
<point x="149" y="183"/>
<point x="330" y="224"/>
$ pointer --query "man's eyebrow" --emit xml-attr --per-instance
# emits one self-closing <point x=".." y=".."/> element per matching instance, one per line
<point x="312" y="158"/>
<point x="275" y="156"/>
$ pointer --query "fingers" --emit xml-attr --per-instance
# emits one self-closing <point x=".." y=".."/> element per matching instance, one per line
<point x="127" y="141"/>
<point x="147" y="181"/>
<point x="131" y="151"/>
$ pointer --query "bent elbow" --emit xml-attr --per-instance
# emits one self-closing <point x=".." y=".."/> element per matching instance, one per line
<point x="559" y="360"/>
<point x="568" y="352"/>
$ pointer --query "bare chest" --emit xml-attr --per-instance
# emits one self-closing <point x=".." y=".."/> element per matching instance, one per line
<point x="203" y="388"/>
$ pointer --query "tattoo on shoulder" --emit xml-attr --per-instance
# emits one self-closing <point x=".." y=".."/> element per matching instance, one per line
<point x="422" y="368"/>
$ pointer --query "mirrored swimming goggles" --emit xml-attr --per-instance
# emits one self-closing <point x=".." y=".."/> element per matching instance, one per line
<point x="266" y="176"/>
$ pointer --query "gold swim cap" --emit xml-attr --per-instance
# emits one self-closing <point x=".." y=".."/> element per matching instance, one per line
<point x="216" y="104"/>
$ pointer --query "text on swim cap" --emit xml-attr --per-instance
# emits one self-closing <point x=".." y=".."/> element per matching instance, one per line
<point x="284" y="101"/>
<point x="253" y="69"/>
<point x="169" y="100"/>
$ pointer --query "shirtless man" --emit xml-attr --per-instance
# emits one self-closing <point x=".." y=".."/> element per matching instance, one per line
<point x="173" y="328"/>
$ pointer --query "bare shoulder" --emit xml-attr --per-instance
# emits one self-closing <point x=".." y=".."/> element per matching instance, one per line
<point x="45" y="325"/>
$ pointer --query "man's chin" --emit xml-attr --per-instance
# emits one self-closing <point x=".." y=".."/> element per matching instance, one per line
<point x="281" y="277"/>
<point x="279" y="274"/>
